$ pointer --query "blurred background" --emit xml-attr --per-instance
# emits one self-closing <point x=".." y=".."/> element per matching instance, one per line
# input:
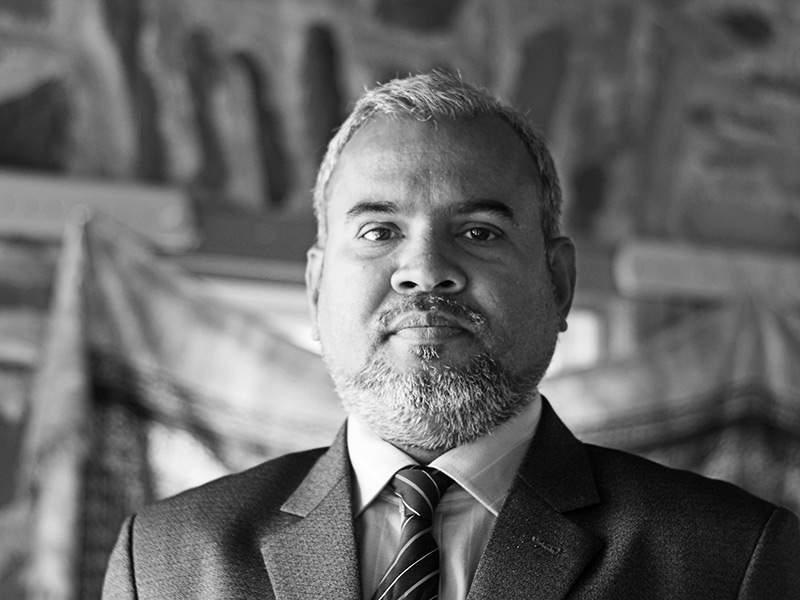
<point x="156" y="165"/>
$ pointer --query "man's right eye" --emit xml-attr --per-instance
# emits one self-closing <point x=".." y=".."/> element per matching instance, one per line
<point x="378" y="234"/>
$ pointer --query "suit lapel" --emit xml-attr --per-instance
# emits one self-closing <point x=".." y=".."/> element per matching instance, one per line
<point x="535" y="551"/>
<point x="314" y="548"/>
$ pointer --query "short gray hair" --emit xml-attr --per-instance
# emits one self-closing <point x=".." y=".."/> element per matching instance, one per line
<point x="432" y="96"/>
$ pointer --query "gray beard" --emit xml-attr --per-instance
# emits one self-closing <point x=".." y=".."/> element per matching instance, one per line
<point x="437" y="407"/>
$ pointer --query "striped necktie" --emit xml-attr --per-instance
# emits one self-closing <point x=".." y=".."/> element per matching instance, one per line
<point x="414" y="573"/>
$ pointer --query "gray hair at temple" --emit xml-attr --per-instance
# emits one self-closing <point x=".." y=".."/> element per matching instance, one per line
<point x="442" y="96"/>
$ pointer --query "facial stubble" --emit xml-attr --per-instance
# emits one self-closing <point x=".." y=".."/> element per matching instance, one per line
<point x="438" y="406"/>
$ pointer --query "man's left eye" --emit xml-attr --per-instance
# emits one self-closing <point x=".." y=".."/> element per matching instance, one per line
<point x="479" y="234"/>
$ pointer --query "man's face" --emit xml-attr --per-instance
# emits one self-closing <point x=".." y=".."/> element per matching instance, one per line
<point x="435" y="261"/>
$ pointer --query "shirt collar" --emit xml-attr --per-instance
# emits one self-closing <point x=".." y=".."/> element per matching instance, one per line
<point x="484" y="467"/>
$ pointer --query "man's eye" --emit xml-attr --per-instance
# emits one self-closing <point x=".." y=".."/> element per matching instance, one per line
<point x="378" y="234"/>
<point x="479" y="234"/>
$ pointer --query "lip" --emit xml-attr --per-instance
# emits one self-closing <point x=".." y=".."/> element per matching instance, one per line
<point x="428" y="334"/>
<point x="427" y="327"/>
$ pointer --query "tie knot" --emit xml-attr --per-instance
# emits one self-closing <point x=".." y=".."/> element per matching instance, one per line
<point x="420" y="489"/>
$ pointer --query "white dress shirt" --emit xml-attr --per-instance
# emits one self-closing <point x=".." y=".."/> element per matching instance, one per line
<point x="482" y="472"/>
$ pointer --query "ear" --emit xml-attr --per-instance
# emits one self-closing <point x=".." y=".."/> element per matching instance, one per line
<point x="314" y="259"/>
<point x="561" y="259"/>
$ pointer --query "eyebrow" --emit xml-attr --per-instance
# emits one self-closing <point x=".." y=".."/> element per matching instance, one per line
<point x="487" y="205"/>
<point x="477" y="205"/>
<point x="369" y="206"/>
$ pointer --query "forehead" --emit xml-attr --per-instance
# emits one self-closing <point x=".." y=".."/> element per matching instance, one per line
<point x="404" y="158"/>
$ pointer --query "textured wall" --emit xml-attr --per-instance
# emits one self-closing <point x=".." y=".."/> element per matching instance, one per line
<point x="673" y="119"/>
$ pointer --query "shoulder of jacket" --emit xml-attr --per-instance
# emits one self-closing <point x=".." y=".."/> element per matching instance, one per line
<point x="263" y="487"/>
<point x="627" y="478"/>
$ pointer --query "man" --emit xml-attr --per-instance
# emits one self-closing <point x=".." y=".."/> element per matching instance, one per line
<point x="438" y="286"/>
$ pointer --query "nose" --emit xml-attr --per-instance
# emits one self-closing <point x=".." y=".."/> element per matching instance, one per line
<point x="428" y="265"/>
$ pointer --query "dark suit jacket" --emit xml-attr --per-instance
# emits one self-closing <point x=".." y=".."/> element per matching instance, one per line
<point x="579" y="522"/>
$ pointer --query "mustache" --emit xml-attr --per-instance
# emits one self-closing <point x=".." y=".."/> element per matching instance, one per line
<point x="432" y="303"/>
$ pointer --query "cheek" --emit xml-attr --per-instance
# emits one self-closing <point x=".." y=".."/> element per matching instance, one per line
<point x="524" y="309"/>
<point x="348" y="301"/>
<point x="355" y="287"/>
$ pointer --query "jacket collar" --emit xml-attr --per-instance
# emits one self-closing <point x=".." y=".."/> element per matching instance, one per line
<point x="314" y="549"/>
<point x="535" y="550"/>
<point x="557" y="466"/>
